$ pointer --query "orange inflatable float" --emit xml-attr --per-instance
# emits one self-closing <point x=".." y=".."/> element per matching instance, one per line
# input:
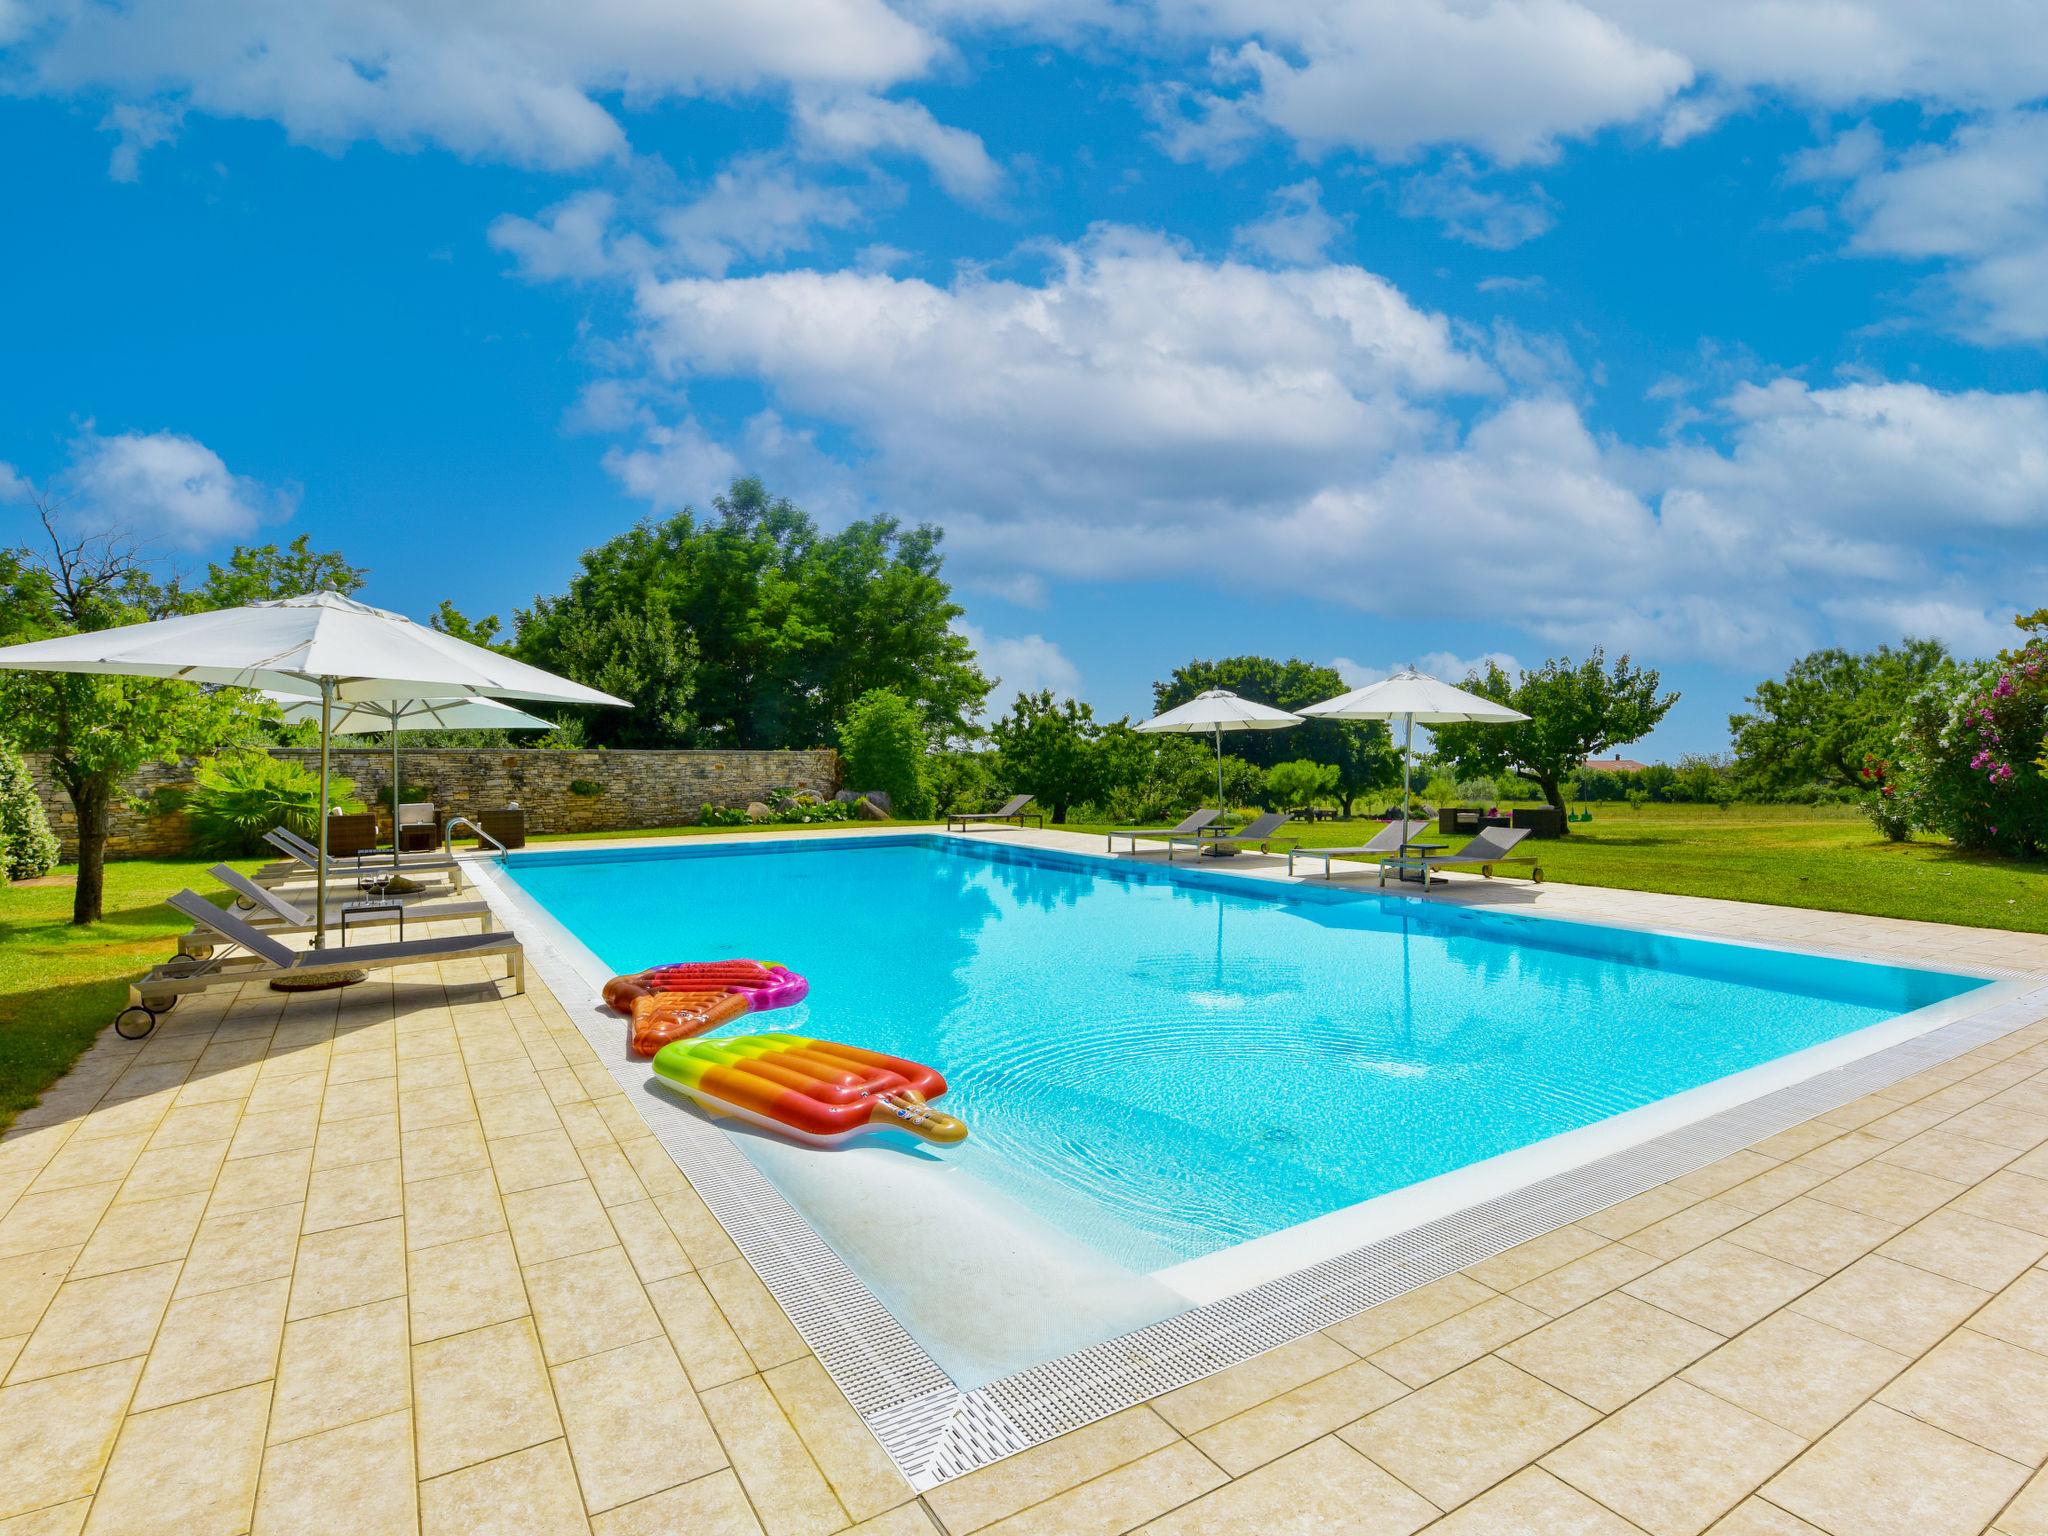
<point x="676" y="1002"/>
<point x="817" y="1091"/>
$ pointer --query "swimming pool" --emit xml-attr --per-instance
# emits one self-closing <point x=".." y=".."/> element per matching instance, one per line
<point x="1164" y="1066"/>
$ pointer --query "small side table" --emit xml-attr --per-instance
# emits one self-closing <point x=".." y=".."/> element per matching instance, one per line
<point x="1421" y="875"/>
<point x="380" y="905"/>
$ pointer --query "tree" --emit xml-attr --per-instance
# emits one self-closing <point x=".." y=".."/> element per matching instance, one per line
<point x="98" y="730"/>
<point x="883" y="743"/>
<point x="28" y="848"/>
<point x="789" y="625"/>
<point x="1046" y="747"/>
<point x="1361" y="751"/>
<point x="1575" y="712"/>
<point x="260" y="572"/>
<point x="1830" y="711"/>
<point x="1300" y="782"/>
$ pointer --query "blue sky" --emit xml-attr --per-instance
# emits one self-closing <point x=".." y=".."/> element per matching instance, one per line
<point x="1365" y="330"/>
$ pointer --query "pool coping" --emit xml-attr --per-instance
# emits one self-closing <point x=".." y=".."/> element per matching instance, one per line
<point x="934" y="1431"/>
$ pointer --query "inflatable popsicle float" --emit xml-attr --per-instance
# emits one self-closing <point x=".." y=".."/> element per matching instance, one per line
<point x="816" y="1091"/>
<point x="676" y="1002"/>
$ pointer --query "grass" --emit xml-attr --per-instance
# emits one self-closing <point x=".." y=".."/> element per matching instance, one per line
<point x="1823" y="857"/>
<point x="60" y="985"/>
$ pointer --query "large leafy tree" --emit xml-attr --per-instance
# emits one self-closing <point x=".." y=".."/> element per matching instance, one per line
<point x="1575" y="712"/>
<point x="260" y="572"/>
<point x="98" y="730"/>
<point x="760" y="630"/>
<point x="1360" y="751"/>
<point x="1829" y="713"/>
<point x="1047" y="748"/>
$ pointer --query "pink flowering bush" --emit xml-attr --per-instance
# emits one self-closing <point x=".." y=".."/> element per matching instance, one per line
<point x="1968" y="764"/>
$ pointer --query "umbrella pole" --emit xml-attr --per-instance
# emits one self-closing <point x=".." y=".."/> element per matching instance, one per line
<point x="1407" y="765"/>
<point x="395" y="861"/>
<point x="1219" y="768"/>
<point x="320" y="883"/>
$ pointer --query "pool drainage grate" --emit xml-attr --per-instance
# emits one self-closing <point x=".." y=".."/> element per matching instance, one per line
<point x="934" y="1432"/>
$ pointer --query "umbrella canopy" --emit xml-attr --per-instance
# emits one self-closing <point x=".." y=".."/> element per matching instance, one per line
<point x="1413" y="697"/>
<point x="320" y="644"/>
<point x="1212" y="713"/>
<point x="296" y="644"/>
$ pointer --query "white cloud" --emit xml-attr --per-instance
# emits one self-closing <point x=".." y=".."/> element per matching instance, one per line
<point x="1296" y="230"/>
<point x="859" y="126"/>
<point x="1139" y="409"/>
<point x="674" y="466"/>
<point x="1510" y="78"/>
<point x="138" y="127"/>
<point x="1483" y="216"/>
<point x="1018" y="664"/>
<point x="757" y="208"/>
<point x="165" y="485"/>
<point x="520" y="82"/>
<point x="1977" y="201"/>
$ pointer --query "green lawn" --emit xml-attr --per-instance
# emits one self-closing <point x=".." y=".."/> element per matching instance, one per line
<point x="60" y="985"/>
<point x="1794" y="856"/>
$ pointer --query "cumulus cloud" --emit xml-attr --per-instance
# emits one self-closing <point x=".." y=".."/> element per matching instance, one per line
<point x="520" y="82"/>
<point x="165" y="485"/>
<point x="757" y="208"/>
<point x="1447" y="665"/>
<point x="1296" y="230"/>
<point x="1017" y="664"/>
<point x="860" y="126"/>
<point x="1977" y="202"/>
<point x="1484" y="216"/>
<point x="1139" y="407"/>
<point x="138" y="127"/>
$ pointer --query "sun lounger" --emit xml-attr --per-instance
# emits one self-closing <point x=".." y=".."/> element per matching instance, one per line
<point x="1387" y="840"/>
<point x="264" y="959"/>
<point x="1013" y="812"/>
<point x="1258" y="833"/>
<point x="302" y="861"/>
<point x="274" y="914"/>
<point x="1188" y="828"/>
<point x="1493" y="846"/>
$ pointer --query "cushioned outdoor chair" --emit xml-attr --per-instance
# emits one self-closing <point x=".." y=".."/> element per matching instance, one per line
<point x="1188" y="828"/>
<point x="1390" y="839"/>
<point x="1012" y="811"/>
<point x="263" y="958"/>
<point x="1258" y="833"/>
<point x="1493" y="846"/>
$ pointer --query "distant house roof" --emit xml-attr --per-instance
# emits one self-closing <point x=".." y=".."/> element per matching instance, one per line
<point x="1615" y="765"/>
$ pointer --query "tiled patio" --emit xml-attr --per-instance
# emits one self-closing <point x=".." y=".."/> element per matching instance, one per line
<point x="405" y="1258"/>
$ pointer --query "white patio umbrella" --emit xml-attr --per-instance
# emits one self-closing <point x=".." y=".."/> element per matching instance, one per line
<point x="466" y="713"/>
<point x="1216" y="711"/>
<point x="320" y="645"/>
<point x="1413" y="697"/>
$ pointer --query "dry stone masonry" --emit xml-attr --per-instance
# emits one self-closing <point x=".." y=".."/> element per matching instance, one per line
<point x="613" y="791"/>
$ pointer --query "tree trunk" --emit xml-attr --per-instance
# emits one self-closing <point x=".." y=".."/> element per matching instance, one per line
<point x="1344" y="799"/>
<point x="1059" y="815"/>
<point x="89" y="800"/>
<point x="1554" y="794"/>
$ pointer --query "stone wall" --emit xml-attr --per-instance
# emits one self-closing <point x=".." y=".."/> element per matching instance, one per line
<point x="632" y="789"/>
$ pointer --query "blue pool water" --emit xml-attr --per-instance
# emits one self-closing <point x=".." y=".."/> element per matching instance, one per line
<point x="1163" y="1062"/>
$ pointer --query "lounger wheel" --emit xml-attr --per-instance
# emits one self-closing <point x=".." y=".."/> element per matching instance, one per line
<point x="1486" y="870"/>
<point x="183" y="965"/>
<point x="134" y="1022"/>
<point x="1536" y="875"/>
<point x="244" y="904"/>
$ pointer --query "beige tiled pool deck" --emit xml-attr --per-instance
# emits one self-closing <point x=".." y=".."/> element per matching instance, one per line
<point x="405" y="1258"/>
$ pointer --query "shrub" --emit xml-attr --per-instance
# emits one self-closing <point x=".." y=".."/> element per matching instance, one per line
<point x="962" y="781"/>
<point x="1300" y="782"/>
<point x="237" y="797"/>
<point x="709" y="815"/>
<point x="586" y="788"/>
<point x="1969" y="748"/>
<point x="28" y="848"/>
<point x="1475" y="791"/>
<point x="1890" y="811"/>
<point x="883" y="743"/>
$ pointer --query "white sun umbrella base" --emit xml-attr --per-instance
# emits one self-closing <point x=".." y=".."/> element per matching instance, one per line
<point x="1414" y="698"/>
<point x="1212" y="713"/>
<point x="321" y="645"/>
